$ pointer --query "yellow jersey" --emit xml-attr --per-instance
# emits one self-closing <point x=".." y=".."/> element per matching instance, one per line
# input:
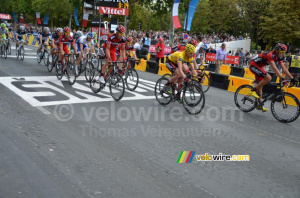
<point x="295" y="61"/>
<point x="177" y="57"/>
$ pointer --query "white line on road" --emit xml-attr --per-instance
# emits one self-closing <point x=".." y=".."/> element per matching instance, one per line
<point x="45" y="111"/>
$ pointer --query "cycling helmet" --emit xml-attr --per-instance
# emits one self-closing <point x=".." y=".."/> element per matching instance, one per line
<point x="59" y="30"/>
<point x="3" y="25"/>
<point x="90" y="35"/>
<point x="121" y="29"/>
<point x="161" y="39"/>
<point x="67" y="30"/>
<point x="281" y="47"/>
<point x="193" y="42"/>
<point x="189" y="48"/>
<point x="204" y="47"/>
<point x="129" y="39"/>
<point x="22" y="28"/>
<point x="79" y="33"/>
<point x="46" y="29"/>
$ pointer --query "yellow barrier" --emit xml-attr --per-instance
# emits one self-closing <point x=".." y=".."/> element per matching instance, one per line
<point x="163" y="69"/>
<point x="225" y="69"/>
<point x="248" y="74"/>
<point x="205" y="82"/>
<point x="236" y="82"/>
<point x="142" y="65"/>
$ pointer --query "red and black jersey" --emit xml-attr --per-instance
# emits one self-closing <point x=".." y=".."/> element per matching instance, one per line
<point x="114" y="41"/>
<point x="55" y="38"/>
<point x="264" y="59"/>
<point x="179" y="47"/>
<point x="127" y="48"/>
<point x="66" y="41"/>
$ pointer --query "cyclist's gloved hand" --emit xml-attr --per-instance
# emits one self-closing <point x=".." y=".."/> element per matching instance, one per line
<point x="293" y="81"/>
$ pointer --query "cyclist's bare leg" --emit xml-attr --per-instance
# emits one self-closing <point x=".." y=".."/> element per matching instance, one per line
<point x="262" y="83"/>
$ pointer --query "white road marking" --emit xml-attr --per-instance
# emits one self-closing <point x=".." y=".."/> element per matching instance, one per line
<point x="41" y="91"/>
<point x="43" y="110"/>
<point x="14" y="56"/>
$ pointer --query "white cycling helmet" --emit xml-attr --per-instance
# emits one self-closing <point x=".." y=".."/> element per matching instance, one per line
<point x="22" y="27"/>
<point x="59" y="30"/>
<point x="46" y="29"/>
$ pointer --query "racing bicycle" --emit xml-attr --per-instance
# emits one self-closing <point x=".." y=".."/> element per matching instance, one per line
<point x="193" y="98"/>
<point x="114" y="79"/>
<point x="285" y="107"/>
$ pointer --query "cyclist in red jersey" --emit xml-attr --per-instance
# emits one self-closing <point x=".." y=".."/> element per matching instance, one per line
<point x="256" y="67"/>
<point x="64" y="40"/>
<point x="129" y="48"/>
<point x="110" y="47"/>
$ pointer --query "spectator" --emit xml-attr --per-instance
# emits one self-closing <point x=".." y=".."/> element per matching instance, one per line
<point x="255" y="55"/>
<point x="199" y="41"/>
<point x="242" y="58"/>
<point x="160" y="47"/>
<point x="295" y="62"/>
<point x="247" y="58"/>
<point x="146" y="41"/>
<point x="220" y="56"/>
<point x="137" y="46"/>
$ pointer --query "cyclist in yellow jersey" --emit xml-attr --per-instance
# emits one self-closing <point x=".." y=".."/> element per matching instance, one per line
<point x="176" y="61"/>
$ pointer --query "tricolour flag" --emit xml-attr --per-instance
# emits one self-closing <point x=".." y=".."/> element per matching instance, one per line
<point x="21" y="18"/>
<point x="175" y="14"/>
<point x="85" y="19"/>
<point x="38" y="18"/>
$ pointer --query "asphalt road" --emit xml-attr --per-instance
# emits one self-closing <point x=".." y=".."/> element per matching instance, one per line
<point x="62" y="141"/>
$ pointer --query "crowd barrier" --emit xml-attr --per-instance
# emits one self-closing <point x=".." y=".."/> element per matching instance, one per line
<point x="229" y="79"/>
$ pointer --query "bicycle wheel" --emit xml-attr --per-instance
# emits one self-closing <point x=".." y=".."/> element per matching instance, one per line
<point x="167" y="76"/>
<point x="59" y="72"/>
<point x="1" y="50"/>
<point x="243" y="100"/>
<point x="51" y="63"/>
<point x="87" y="73"/>
<point x="132" y="79"/>
<point x="22" y="53"/>
<point x="9" y="49"/>
<point x="205" y="82"/>
<point x="71" y="74"/>
<point x="163" y="92"/>
<point x="285" y="107"/>
<point x="46" y="58"/>
<point x="95" y="85"/>
<point x="193" y="99"/>
<point x="116" y="87"/>
<point x="5" y="52"/>
<point x="38" y="57"/>
<point x="17" y="53"/>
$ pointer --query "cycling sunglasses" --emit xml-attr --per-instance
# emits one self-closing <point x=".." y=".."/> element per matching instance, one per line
<point x="121" y="34"/>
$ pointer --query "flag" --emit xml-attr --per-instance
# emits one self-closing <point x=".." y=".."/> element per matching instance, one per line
<point x="38" y="18"/>
<point x="15" y="17"/>
<point x="192" y="9"/>
<point x="175" y="14"/>
<point x="76" y="16"/>
<point x="85" y="19"/>
<point x="21" y="18"/>
<point x="46" y="19"/>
